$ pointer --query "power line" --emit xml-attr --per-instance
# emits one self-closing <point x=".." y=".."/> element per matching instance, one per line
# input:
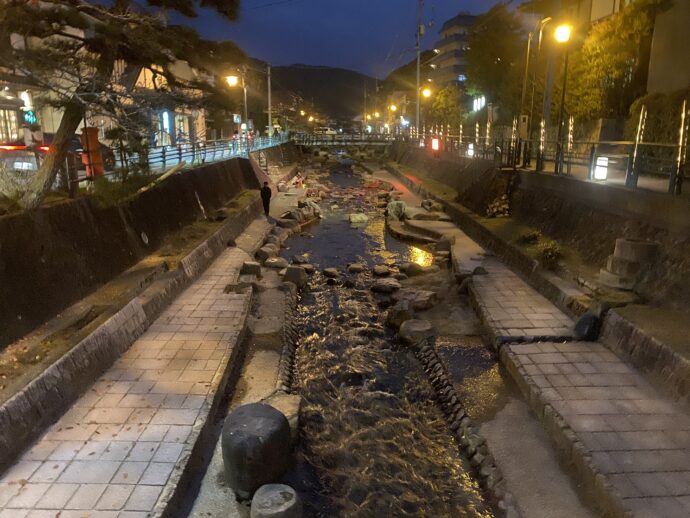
<point x="272" y="4"/>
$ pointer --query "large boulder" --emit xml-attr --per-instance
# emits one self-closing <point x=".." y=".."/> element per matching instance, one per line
<point x="381" y="270"/>
<point x="396" y="209"/>
<point x="358" y="217"/>
<point x="251" y="268"/>
<point x="256" y="447"/>
<point x="331" y="273"/>
<point x="411" y="269"/>
<point x="399" y="313"/>
<point x="296" y="275"/>
<point x="356" y="267"/>
<point x="276" y="501"/>
<point x="266" y="252"/>
<point x="419" y="299"/>
<point x="300" y="259"/>
<point x="385" y="286"/>
<point x="414" y="331"/>
<point x="587" y="327"/>
<point x="276" y="262"/>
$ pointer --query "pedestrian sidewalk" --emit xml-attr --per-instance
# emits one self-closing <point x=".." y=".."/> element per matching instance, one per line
<point x="617" y="429"/>
<point x="514" y="311"/>
<point x="629" y="444"/>
<point x="121" y="449"/>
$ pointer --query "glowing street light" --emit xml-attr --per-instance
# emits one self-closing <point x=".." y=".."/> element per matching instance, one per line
<point x="393" y="108"/>
<point x="311" y="118"/>
<point x="562" y="33"/>
<point x="368" y="117"/>
<point x="377" y="115"/>
<point x="562" y="36"/>
<point x="302" y="113"/>
<point x="426" y="93"/>
<point x="233" y="80"/>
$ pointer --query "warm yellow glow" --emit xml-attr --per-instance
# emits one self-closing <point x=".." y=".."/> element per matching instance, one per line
<point x="368" y="117"/>
<point x="426" y="92"/>
<point x="311" y="118"/>
<point x="302" y="113"/>
<point x="393" y="107"/>
<point x="421" y="257"/>
<point x="232" y="80"/>
<point x="562" y="33"/>
<point x="377" y="115"/>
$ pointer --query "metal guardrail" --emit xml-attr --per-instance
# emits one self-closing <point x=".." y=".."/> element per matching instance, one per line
<point x="194" y="153"/>
<point x="625" y="161"/>
<point x="312" y="139"/>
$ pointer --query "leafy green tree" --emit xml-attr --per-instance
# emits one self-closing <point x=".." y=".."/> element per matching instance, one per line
<point x="495" y="57"/>
<point x="610" y="70"/>
<point x="73" y="48"/>
<point x="449" y="106"/>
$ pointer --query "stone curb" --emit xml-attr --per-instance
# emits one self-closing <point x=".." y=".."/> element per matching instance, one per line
<point x="469" y="441"/>
<point x="25" y="416"/>
<point x="659" y="363"/>
<point x="286" y="367"/>
<point x="193" y="456"/>
<point x="572" y="453"/>
<point x="568" y="298"/>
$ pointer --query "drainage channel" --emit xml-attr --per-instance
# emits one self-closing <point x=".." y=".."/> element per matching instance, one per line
<point x="374" y="436"/>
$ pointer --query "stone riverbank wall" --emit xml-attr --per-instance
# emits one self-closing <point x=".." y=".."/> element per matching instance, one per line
<point x="52" y="257"/>
<point x="584" y="215"/>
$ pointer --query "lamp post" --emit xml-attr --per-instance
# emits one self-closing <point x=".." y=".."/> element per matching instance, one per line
<point x="235" y="80"/>
<point x="562" y="35"/>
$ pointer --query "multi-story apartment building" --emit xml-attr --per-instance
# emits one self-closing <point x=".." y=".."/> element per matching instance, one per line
<point x="450" y="65"/>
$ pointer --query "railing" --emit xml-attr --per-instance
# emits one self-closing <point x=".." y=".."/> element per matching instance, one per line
<point x="315" y="139"/>
<point x="194" y="153"/>
<point x="653" y="166"/>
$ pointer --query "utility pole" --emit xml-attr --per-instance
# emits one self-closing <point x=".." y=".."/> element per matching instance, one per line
<point x="420" y="6"/>
<point x="270" y="114"/>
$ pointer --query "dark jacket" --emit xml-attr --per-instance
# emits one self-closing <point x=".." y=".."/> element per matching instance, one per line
<point x="266" y="194"/>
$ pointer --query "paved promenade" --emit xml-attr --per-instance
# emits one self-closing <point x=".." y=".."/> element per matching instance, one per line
<point x="512" y="309"/>
<point x="120" y="449"/>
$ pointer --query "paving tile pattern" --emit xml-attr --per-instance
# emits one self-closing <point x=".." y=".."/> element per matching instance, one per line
<point x="112" y="454"/>
<point x="512" y="309"/>
<point x="638" y="439"/>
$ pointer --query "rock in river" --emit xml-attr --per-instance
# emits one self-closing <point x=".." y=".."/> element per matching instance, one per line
<point x="418" y="299"/>
<point x="356" y="268"/>
<point x="414" y="331"/>
<point x="385" y="286"/>
<point x="331" y="272"/>
<point x="296" y="275"/>
<point x="381" y="270"/>
<point x="399" y="313"/>
<point x="276" y="262"/>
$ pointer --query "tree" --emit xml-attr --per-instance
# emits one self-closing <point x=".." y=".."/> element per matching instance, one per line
<point x="610" y="70"/>
<point x="72" y="48"/>
<point x="448" y="106"/>
<point x="494" y="58"/>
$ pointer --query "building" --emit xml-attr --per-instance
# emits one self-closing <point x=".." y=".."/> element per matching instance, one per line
<point x="669" y="68"/>
<point x="450" y="65"/>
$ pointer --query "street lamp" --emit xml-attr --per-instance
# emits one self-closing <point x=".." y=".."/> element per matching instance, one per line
<point x="562" y="36"/>
<point x="232" y="81"/>
<point x="302" y="113"/>
<point x="426" y="93"/>
<point x="240" y="80"/>
<point x="377" y="115"/>
<point x="393" y="107"/>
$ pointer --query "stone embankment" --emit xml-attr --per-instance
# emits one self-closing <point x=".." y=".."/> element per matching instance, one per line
<point x="627" y="442"/>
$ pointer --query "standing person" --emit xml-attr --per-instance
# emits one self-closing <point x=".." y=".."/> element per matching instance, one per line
<point x="266" y="197"/>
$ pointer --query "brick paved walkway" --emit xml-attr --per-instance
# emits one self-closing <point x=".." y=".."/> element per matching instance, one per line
<point x="512" y="309"/>
<point x="129" y="436"/>
<point x="638" y="439"/>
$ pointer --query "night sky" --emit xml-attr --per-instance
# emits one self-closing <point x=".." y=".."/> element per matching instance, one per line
<point x="370" y="36"/>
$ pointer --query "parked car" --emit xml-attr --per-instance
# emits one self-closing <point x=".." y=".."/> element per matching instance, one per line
<point x="325" y="131"/>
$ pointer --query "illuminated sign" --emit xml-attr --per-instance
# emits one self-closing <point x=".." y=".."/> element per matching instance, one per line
<point x="30" y="117"/>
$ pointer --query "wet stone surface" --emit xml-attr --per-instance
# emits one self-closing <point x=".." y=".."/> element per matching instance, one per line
<point x="373" y="441"/>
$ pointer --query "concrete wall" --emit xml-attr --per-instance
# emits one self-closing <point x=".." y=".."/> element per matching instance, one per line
<point x="52" y="257"/>
<point x="669" y="65"/>
<point x="586" y="216"/>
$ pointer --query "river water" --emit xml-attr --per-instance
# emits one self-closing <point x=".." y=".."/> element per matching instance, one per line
<point x="373" y="440"/>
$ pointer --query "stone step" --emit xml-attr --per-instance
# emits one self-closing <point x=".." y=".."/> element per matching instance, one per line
<point x="401" y="231"/>
<point x="634" y="250"/>
<point x="623" y="267"/>
<point x="612" y="280"/>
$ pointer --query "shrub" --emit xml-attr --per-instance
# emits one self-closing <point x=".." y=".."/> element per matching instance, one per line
<point x="549" y="254"/>
<point x="529" y="238"/>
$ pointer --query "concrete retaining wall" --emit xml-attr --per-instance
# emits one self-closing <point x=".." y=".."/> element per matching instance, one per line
<point x="48" y="396"/>
<point x="54" y="256"/>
